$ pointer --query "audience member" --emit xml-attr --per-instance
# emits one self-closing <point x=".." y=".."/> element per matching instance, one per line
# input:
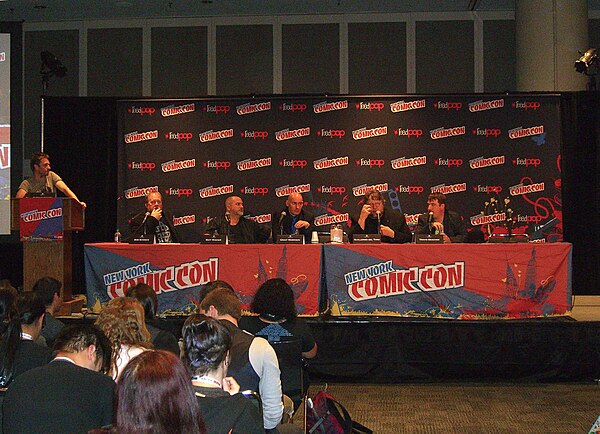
<point x="238" y="228"/>
<point x="294" y="219"/>
<point x="253" y="361"/>
<point x="289" y="335"/>
<point x="155" y="395"/>
<point x="440" y="221"/>
<point x="206" y="352"/>
<point x="48" y="289"/>
<point x="122" y="320"/>
<point x="20" y="324"/>
<point x="376" y="218"/>
<point x="68" y="395"/>
<point x="161" y="339"/>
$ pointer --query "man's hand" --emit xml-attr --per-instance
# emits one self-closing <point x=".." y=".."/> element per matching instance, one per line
<point x="156" y="213"/>
<point x="387" y="231"/>
<point x="301" y="224"/>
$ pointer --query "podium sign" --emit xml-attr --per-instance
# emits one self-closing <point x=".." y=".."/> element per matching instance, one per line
<point x="41" y="219"/>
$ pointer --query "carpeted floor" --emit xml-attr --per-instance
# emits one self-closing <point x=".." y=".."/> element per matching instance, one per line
<point x="470" y="407"/>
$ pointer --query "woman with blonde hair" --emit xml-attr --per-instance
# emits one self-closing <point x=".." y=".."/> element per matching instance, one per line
<point x="122" y="320"/>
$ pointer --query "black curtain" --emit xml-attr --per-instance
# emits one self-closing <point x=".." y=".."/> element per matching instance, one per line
<point x="80" y="135"/>
<point x="580" y="164"/>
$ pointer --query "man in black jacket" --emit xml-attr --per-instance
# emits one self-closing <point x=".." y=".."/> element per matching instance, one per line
<point x="294" y="219"/>
<point x="376" y="218"/>
<point x="239" y="229"/>
<point x="155" y="221"/>
<point x="440" y="221"/>
<point x="68" y="395"/>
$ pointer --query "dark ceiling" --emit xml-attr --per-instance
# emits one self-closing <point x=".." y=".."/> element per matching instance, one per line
<point x="65" y="10"/>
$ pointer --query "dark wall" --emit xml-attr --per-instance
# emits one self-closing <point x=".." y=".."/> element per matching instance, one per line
<point x="581" y="193"/>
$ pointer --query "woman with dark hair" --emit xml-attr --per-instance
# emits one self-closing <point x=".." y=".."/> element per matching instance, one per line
<point x="20" y="324"/>
<point x="154" y="395"/>
<point x="289" y="335"/>
<point x="206" y="352"/>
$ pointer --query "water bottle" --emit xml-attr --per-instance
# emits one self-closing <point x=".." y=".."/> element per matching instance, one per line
<point x="117" y="236"/>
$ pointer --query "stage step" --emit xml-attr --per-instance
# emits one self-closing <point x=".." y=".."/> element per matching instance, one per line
<point x="586" y="307"/>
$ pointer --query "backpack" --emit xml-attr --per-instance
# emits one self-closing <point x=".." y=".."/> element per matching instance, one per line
<point x="325" y="415"/>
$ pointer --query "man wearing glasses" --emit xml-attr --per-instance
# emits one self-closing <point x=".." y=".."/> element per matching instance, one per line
<point x="375" y="218"/>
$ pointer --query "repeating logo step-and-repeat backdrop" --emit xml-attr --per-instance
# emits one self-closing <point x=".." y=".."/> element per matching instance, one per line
<point x="496" y="157"/>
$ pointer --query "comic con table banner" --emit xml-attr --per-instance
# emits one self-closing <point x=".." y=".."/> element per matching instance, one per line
<point x="465" y="281"/>
<point x="177" y="271"/>
<point x="495" y="157"/>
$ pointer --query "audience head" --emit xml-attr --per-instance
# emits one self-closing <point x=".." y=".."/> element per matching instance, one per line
<point x="155" y="395"/>
<point x="10" y="328"/>
<point x="48" y="289"/>
<point x="88" y="340"/>
<point x="222" y="302"/>
<point x="211" y="286"/>
<point x="274" y="298"/>
<point x="206" y="344"/>
<point x="122" y="320"/>
<point x="31" y="310"/>
<point x="146" y="296"/>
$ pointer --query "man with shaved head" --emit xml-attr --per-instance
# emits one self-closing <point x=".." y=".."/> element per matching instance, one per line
<point x="293" y="219"/>
<point x="239" y="229"/>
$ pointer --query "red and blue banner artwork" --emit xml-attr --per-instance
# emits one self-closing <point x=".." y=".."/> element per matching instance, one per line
<point x="41" y="218"/>
<point x="178" y="271"/>
<point x="477" y="281"/>
<point x="496" y="157"/>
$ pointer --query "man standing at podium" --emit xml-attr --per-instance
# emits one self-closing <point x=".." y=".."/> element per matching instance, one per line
<point x="44" y="181"/>
<point x="155" y="221"/>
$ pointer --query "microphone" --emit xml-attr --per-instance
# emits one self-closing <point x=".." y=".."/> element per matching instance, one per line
<point x="378" y="221"/>
<point x="283" y="214"/>
<point x="228" y="220"/>
<point x="144" y="221"/>
<point x="430" y="220"/>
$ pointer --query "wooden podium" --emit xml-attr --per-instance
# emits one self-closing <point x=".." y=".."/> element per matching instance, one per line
<point x="51" y="257"/>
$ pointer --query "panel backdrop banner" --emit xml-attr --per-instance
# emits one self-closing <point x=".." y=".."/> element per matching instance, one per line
<point x="496" y="157"/>
<point x="467" y="281"/>
<point x="178" y="271"/>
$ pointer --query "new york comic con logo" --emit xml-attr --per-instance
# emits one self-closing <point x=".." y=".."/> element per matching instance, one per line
<point x="447" y="189"/>
<point x="403" y="162"/>
<point x="361" y="190"/>
<point x="173" y="110"/>
<point x="325" y="106"/>
<point x="325" y="219"/>
<point x="286" y="190"/>
<point x="36" y="215"/>
<point x="173" y="278"/>
<point x="184" y="220"/>
<point x="481" y="162"/>
<point x="402" y="106"/>
<point x="481" y="219"/>
<point x="288" y="134"/>
<point x="209" y="136"/>
<point x="480" y="105"/>
<point x="135" y="192"/>
<point x="172" y="166"/>
<point x="215" y="191"/>
<point x="141" y="137"/>
<point x="383" y="280"/>
<point x="328" y="163"/>
<point x="364" y="133"/>
<point x="246" y="109"/>
<point x="249" y="164"/>
<point x="442" y="133"/>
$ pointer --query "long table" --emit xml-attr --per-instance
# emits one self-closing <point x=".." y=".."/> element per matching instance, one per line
<point x="463" y="281"/>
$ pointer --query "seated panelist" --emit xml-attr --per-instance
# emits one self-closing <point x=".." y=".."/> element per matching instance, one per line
<point x="440" y="221"/>
<point x="376" y="218"/>
<point x="294" y="219"/>
<point x="154" y="222"/>
<point x="238" y="228"/>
